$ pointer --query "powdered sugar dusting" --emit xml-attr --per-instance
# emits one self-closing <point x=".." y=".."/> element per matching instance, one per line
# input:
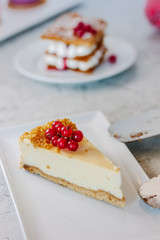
<point x="65" y="24"/>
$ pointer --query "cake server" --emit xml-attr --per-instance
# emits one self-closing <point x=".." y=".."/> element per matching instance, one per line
<point x="138" y="127"/>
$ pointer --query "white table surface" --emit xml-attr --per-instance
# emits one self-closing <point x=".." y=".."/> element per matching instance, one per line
<point x="136" y="90"/>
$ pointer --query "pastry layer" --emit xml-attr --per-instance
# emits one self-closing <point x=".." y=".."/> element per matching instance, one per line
<point x="25" y="4"/>
<point x="87" y="167"/>
<point x="99" y="194"/>
<point x="83" y="65"/>
<point x="62" y="30"/>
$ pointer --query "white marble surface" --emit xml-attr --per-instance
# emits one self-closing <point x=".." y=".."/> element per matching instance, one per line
<point x="134" y="91"/>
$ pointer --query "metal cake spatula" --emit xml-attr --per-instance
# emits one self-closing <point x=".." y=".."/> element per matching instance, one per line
<point x="138" y="127"/>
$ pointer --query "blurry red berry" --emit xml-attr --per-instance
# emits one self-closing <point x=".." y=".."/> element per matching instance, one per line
<point x="112" y="59"/>
<point x="152" y="11"/>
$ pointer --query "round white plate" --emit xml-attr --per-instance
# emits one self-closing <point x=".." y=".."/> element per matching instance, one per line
<point x="29" y="62"/>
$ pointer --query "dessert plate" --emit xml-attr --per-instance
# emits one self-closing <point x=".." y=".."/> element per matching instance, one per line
<point x="49" y="211"/>
<point x="30" y="63"/>
<point x="14" y="21"/>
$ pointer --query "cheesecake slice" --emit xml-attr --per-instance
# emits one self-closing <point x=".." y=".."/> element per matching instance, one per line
<point x="72" y="161"/>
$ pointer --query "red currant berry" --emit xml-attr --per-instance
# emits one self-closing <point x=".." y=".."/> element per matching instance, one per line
<point x="112" y="59"/>
<point x="68" y="139"/>
<point x="62" y="143"/>
<point x="66" y="131"/>
<point x="54" y="140"/>
<point x="50" y="133"/>
<point x="77" y="136"/>
<point x="65" y="63"/>
<point x="55" y="123"/>
<point x="72" y="145"/>
<point x="58" y="127"/>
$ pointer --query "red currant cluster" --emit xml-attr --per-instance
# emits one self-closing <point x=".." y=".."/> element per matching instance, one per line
<point x="82" y="28"/>
<point x="63" y="136"/>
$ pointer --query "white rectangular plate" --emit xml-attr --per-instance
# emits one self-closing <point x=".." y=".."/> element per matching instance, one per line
<point x="14" y="21"/>
<point x="50" y="211"/>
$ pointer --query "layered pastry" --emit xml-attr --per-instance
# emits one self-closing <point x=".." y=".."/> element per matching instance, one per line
<point x="59" y="152"/>
<point x="25" y="3"/>
<point x="75" y="42"/>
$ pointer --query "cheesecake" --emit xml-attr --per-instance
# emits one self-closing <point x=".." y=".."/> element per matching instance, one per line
<point x="74" y="42"/>
<point x="59" y="152"/>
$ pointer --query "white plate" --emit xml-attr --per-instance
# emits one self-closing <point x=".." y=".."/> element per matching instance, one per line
<point x="29" y="62"/>
<point x="50" y="211"/>
<point x="14" y="21"/>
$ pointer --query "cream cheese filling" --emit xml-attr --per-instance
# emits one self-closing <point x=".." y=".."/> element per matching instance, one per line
<point x="82" y="173"/>
<point x="70" y="51"/>
<point x="53" y="60"/>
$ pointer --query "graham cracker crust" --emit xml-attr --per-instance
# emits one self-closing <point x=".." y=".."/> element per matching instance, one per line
<point x="100" y="194"/>
<point x="25" y="6"/>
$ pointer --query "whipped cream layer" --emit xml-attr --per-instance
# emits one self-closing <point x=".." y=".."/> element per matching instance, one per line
<point x="58" y="62"/>
<point x="70" y="51"/>
<point x="73" y="169"/>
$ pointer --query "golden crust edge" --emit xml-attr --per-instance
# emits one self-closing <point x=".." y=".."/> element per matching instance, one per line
<point x="77" y="42"/>
<point x="99" y="194"/>
<point x="26" y="6"/>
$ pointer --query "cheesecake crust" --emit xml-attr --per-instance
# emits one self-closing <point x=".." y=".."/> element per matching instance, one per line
<point x="99" y="194"/>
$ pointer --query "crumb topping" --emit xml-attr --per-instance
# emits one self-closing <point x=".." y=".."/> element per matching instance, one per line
<point x="37" y="135"/>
